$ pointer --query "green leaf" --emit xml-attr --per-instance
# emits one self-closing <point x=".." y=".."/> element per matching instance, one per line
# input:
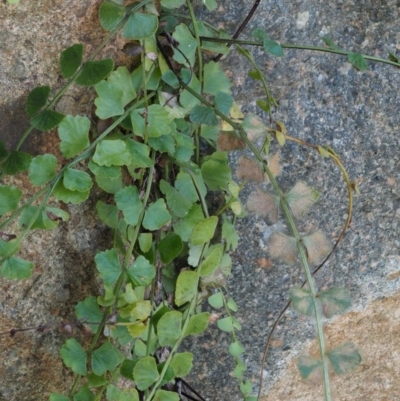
<point x="9" y="198"/>
<point x="74" y="356"/>
<point x="182" y="363"/>
<point x="84" y="394"/>
<point x="239" y="369"/>
<point x="130" y="394"/>
<point x="141" y="272"/>
<point x="77" y="180"/>
<point x="8" y="248"/>
<point x="152" y="83"/>
<point x="145" y="241"/>
<point x="212" y="46"/>
<point x="178" y="204"/>
<point x="96" y="381"/>
<point x="16" y="163"/>
<point x="344" y="358"/>
<point x="71" y="60"/>
<point x="16" y="268"/>
<point x="108" y="214"/>
<point x="334" y="301"/>
<point x="210" y="4"/>
<point x="108" y="265"/>
<point x="186" y="99"/>
<point x="163" y="395"/>
<point x="47" y="219"/>
<point x="302" y="301"/>
<point x="231" y="304"/>
<point x="42" y="169"/>
<point x="195" y="253"/>
<point x="330" y="43"/>
<point x="171" y="79"/>
<point x="225" y="324"/>
<point x="204" y="230"/>
<point x="158" y="121"/>
<point x="216" y="300"/>
<point x="229" y="234"/>
<point x="94" y="71"/>
<point x="254" y="74"/>
<point x="128" y="201"/>
<point x="170" y="247"/>
<point x="68" y="196"/>
<point x="106" y="358"/>
<point x="211" y="262"/>
<point x="169" y="328"/>
<point x="216" y="172"/>
<point x="269" y="45"/>
<point x="201" y="114"/>
<point x="156" y="216"/>
<point x="223" y="102"/>
<point x="358" y="61"/>
<point x="111" y="152"/>
<point x="111" y="14"/>
<point x="58" y="397"/>
<point x="197" y="324"/>
<point x="145" y="373"/>
<point x="74" y="135"/>
<point x="215" y="79"/>
<point x="184" y="227"/>
<point x="88" y="310"/>
<point x="141" y="310"/>
<point x="46" y="120"/>
<point x="184" y="185"/>
<point x="187" y="45"/>
<point x="172" y="3"/>
<point x="114" y="93"/>
<point x="186" y="287"/>
<point x="236" y="349"/>
<point x="140" y="26"/>
<point x="163" y="144"/>
<point x="139" y="154"/>
<point x="109" y="101"/>
<point x="108" y="178"/>
<point x="112" y="393"/>
<point x="37" y="99"/>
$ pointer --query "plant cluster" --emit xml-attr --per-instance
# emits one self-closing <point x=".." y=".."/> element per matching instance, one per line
<point x="170" y="252"/>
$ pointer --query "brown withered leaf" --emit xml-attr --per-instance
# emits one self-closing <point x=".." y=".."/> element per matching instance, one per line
<point x="274" y="166"/>
<point x="228" y="140"/>
<point x="282" y="247"/>
<point x="264" y="204"/>
<point x="249" y="170"/>
<point x="317" y="246"/>
<point x="300" y="198"/>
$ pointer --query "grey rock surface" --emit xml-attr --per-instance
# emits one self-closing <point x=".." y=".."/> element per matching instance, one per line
<point x="322" y="100"/>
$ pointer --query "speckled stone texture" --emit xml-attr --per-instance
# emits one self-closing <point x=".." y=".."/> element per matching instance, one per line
<point x="322" y="100"/>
